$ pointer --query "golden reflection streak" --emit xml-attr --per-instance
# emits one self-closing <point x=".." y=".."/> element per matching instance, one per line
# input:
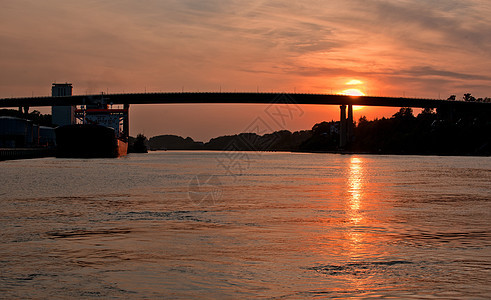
<point x="355" y="189"/>
<point x="356" y="184"/>
<point x="356" y="195"/>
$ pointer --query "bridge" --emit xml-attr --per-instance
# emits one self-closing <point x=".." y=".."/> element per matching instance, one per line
<point x="237" y="98"/>
<point x="445" y="107"/>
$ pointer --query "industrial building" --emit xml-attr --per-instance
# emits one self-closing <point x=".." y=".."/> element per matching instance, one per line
<point x="22" y="133"/>
<point x="62" y="115"/>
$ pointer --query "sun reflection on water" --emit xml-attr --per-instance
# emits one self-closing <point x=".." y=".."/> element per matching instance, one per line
<point x="356" y="235"/>
<point x="356" y="182"/>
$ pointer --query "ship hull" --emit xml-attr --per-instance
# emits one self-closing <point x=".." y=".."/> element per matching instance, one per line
<point x="88" y="141"/>
<point x="122" y="148"/>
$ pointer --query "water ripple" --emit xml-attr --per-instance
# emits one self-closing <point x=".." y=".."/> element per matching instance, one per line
<point x="358" y="268"/>
<point x="84" y="233"/>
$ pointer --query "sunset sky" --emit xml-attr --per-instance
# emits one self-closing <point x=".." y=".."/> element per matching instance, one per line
<point x="412" y="48"/>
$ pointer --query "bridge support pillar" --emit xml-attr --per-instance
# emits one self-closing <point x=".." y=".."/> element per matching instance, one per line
<point x="350" y="125"/>
<point x="346" y="126"/>
<point x="126" y="122"/>
<point x="342" y="127"/>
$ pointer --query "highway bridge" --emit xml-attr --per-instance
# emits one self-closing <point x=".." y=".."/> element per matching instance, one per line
<point x="444" y="107"/>
<point x="233" y="98"/>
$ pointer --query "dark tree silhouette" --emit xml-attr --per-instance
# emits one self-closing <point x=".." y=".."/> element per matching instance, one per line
<point x="428" y="111"/>
<point x="139" y="146"/>
<point x="321" y="128"/>
<point x="404" y="113"/>
<point x="35" y="116"/>
<point x="468" y="97"/>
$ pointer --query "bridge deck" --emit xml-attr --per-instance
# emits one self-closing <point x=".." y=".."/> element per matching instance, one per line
<point x="237" y="98"/>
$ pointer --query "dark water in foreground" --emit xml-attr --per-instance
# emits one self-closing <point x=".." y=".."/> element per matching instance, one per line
<point x="272" y="225"/>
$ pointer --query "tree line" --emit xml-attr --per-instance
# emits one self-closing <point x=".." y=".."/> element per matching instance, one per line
<point x="469" y="98"/>
<point x="403" y="133"/>
<point x="35" y="116"/>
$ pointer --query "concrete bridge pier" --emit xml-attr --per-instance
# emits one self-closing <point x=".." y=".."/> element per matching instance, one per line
<point x="345" y="126"/>
<point x="350" y="126"/>
<point x="126" y="122"/>
<point x="342" y="127"/>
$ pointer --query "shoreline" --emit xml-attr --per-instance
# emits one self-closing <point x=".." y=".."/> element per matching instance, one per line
<point x="326" y="152"/>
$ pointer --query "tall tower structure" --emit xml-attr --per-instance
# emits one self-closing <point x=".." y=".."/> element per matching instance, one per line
<point x="62" y="115"/>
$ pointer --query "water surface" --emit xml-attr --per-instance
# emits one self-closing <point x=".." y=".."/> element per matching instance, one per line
<point x="242" y="225"/>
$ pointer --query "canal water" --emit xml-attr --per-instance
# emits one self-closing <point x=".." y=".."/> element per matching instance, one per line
<point x="243" y="225"/>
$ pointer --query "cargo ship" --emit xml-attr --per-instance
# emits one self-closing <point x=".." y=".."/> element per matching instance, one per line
<point x="99" y="134"/>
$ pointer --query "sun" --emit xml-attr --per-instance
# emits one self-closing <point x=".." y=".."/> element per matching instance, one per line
<point x="352" y="92"/>
<point x="354" y="82"/>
